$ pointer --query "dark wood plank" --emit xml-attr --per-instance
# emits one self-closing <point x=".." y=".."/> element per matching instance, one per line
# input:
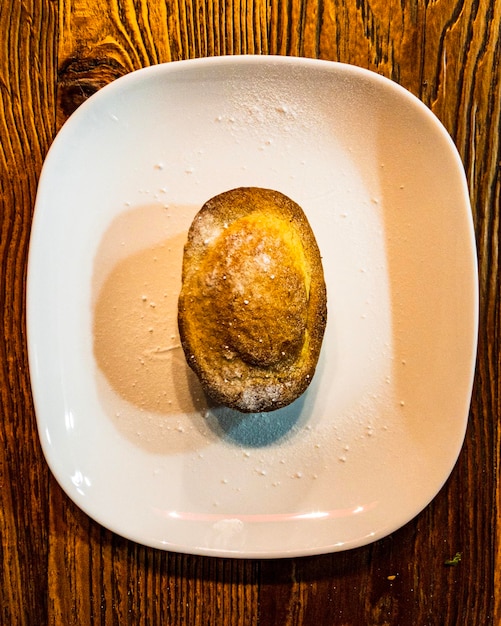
<point x="27" y="109"/>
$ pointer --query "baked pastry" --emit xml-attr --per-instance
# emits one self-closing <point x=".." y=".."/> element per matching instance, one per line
<point x="253" y="307"/>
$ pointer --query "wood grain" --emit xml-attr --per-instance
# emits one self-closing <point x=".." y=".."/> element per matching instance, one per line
<point x="59" y="566"/>
<point x="27" y="108"/>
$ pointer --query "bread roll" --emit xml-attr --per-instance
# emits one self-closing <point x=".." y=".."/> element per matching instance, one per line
<point x="253" y="307"/>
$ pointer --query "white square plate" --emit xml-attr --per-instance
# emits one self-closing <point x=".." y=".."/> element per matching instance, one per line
<point x="123" y="424"/>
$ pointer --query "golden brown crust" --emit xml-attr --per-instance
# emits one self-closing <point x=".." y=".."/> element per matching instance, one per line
<point x="252" y="309"/>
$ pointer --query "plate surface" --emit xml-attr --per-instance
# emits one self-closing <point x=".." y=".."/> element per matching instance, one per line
<point x="123" y="424"/>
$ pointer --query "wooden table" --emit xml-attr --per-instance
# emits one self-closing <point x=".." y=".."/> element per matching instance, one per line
<point x="60" y="567"/>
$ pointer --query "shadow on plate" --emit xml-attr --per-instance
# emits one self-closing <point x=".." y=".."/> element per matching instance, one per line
<point x="256" y="430"/>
